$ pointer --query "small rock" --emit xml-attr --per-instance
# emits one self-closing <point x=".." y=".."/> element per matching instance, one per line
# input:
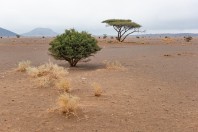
<point x="167" y="55"/>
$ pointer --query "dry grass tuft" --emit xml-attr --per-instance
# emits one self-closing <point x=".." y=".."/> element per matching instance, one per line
<point x="23" y="66"/>
<point x="114" y="65"/>
<point x="97" y="89"/>
<point x="168" y="40"/>
<point x="68" y="104"/>
<point x="48" y="69"/>
<point x="64" y="84"/>
<point x="58" y="72"/>
<point x="44" y="82"/>
<point x="48" y="74"/>
<point x="33" y="71"/>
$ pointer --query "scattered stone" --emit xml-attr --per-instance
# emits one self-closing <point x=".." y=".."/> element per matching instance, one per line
<point x="167" y="55"/>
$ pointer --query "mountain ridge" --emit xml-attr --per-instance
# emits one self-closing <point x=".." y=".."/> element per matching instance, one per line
<point x="37" y="32"/>
<point x="170" y="35"/>
<point x="6" y="33"/>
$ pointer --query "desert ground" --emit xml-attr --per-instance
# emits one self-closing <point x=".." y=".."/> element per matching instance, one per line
<point x="156" y="91"/>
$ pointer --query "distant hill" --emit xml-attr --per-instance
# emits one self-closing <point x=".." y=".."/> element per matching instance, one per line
<point x="37" y="32"/>
<point x="170" y="35"/>
<point x="6" y="33"/>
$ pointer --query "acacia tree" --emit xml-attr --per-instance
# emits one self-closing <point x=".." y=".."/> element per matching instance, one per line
<point x="73" y="46"/>
<point x="123" y="27"/>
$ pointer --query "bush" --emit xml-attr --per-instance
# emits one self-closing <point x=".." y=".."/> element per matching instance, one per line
<point x="73" y="46"/>
<point x="188" y="38"/>
<point x="104" y="36"/>
<point x="18" y="36"/>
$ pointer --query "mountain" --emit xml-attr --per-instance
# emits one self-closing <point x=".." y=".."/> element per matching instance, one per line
<point x="171" y="35"/>
<point x="37" y="32"/>
<point x="6" y="33"/>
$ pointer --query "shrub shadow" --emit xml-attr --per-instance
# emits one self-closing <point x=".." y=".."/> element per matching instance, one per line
<point x="85" y="66"/>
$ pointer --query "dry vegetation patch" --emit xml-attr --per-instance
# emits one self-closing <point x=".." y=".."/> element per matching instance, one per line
<point x="68" y="104"/>
<point x="114" y="65"/>
<point x="44" y="82"/>
<point x="97" y="89"/>
<point x="168" y="40"/>
<point x="23" y="66"/>
<point x="63" y="84"/>
<point x="48" y="74"/>
<point x="51" y="75"/>
<point x="53" y="70"/>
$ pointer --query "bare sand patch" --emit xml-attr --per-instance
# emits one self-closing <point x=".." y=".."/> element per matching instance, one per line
<point x="155" y="93"/>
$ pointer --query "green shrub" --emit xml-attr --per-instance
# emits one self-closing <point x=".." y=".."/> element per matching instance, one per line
<point x="188" y="38"/>
<point x="104" y="36"/>
<point x="18" y="36"/>
<point x="73" y="46"/>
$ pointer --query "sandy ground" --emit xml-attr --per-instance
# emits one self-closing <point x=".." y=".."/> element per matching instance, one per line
<point x="156" y="92"/>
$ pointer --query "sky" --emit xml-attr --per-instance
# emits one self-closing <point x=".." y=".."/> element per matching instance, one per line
<point x="155" y="16"/>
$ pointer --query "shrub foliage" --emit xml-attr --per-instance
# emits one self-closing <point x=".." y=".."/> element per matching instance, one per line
<point x="188" y="38"/>
<point x="73" y="46"/>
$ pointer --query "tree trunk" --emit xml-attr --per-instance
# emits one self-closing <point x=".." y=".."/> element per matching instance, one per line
<point x="119" y="36"/>
<point x="73" y="63"/>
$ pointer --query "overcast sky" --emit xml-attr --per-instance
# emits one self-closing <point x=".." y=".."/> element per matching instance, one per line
<point x="155" y="16"/>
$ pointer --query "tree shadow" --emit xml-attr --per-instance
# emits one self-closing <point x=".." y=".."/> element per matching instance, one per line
<point x="84" y="67"/>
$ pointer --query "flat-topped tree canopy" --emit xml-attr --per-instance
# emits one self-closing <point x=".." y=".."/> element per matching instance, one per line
<point x="121" y="22"/>
<point x="122" y="26"/>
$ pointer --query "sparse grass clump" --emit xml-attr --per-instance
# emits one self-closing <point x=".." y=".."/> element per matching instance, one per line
<point x="52" y="70"/>
<point x="168" y="39"/>
<point x="64" y="84"/>
<point x="48" y="75"/>
<point x="109" y="41"/>
<point x="33" y="71"/>
<point x="97" y="89"/>
<point x="48" y="69"/>
<point x="68" y="104"/>
<point x="114" y="65"/>
<point x="58" y="72"/>
<point x="44" y="82"/>
<point x="23" y="66"/>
